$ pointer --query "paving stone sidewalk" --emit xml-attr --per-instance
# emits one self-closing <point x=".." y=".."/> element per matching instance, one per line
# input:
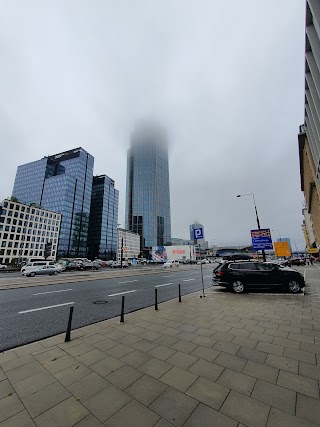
<point x="224" y="361"/>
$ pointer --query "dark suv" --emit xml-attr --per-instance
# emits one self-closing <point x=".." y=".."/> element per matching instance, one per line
<point x="239" y="276"/>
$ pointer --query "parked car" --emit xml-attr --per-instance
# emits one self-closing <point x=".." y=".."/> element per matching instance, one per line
<point x="45" y="269"/>
<point x="2" y="266"/>
<point x="106" y="263"/>
<point x="36" y="264"/>
<point x="202" y="261"/>
<point x="90" y="265"/>
<point x="237" y="257"/>
<point x="170" y="264"/>
<point x="73" y="266"/>
<point x="117" y="264"/>
<point x="242" y="275"/>
<point x="297" y="261"/>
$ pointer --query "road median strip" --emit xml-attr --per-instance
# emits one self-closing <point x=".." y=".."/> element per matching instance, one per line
<point x="83" y="278"/>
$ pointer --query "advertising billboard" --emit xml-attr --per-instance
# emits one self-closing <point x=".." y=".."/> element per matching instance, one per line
<point x="179" y="253"/>
<point x="312" y="250"/>
<point x="282" y="249"/>
<point x="261" y="239"/>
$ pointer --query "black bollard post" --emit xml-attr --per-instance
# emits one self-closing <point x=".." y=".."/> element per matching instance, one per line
<point x="156" y="299"/>
<point x="122" y="310"/>
<point x="179" y="292"/>
<point x="68" y="334"/>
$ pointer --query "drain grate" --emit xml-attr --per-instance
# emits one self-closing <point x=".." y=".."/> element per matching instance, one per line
<point x="100" y="301"/>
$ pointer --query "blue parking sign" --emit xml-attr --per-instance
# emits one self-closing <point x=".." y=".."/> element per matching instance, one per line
<point x="198" y="233"/>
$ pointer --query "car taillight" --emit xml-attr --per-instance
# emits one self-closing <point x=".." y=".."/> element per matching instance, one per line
<point x="219" y="273"/>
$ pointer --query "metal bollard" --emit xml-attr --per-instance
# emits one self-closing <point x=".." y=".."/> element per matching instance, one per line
<point x="179" y="292"/>
<point x="156" y="299"/>
<point x="68" y="334"/>
<point x="122" y="310"/>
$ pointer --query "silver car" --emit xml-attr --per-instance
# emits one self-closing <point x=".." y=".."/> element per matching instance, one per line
<point x="45" y="269"/>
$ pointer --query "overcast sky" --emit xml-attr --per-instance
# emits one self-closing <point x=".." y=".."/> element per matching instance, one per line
<point x="225" y="79"/>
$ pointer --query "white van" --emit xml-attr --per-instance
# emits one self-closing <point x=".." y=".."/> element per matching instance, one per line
<point x="170" y="264"/>
<point x="35" y="264"/>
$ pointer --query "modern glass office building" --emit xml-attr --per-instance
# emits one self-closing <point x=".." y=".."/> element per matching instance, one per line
<point x="148" y="194"/>
<point x="102" y="237"/>
<point x="61" y="183"/>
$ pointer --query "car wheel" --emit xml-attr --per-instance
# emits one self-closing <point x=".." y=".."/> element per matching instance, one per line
<point x="55" y="273"/>
<point x="238" y="287"/>
<point x="294" y="286"/>
<point x="32" y="274"/>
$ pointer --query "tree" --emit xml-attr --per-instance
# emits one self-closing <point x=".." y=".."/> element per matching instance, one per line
<point x="14" y="199"/>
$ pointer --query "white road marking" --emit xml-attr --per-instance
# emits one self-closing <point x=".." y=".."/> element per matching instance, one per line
<point x="188" y="280"/>
<point x="129" y="281"/>
<point x="305" y="273"/>
<point x="45" y="308"/>
<point x="206" y="277"/>
<point x="165" y="284"/>
<point x="122" y="293"/>
<point x="171" y="275"/>
<point x="52" y="292"/>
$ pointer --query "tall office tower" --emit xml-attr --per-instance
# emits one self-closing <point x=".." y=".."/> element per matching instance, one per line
<point x="102" y="237"/>
<point x="148" y="194"/>
<point x="61" y="183"/>
<point x="309" y="132"/>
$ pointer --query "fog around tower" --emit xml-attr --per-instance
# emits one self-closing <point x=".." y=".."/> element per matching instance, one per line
<point x="223" y="79"/>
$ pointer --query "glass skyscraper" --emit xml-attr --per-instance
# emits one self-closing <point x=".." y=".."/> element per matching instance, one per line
<point x="102" y="237"/>
<point x="61" y="183"/>
<point x="148" y="194"/>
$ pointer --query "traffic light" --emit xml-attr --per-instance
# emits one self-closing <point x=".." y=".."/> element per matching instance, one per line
<point x="47" y="250"/>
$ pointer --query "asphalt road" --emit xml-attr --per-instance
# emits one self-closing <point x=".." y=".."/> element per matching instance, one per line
<point x="33" y="313"/>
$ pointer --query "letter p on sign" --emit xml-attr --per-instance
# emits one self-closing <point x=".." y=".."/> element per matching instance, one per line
<point x="197" y="233"/>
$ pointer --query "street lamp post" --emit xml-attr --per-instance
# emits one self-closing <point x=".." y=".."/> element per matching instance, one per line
<point x="201" y="271"/>
<point x="121" y="249"/>
<point x="280" y="238"/>
<point x="257" y="217"/>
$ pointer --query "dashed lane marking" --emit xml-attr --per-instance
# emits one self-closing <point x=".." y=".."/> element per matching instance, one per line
<point x="122" y="293"/>
<point x="53" y="292"/>
<point x="165" y="284"/>
<point x="45" y="308"/>
<point x="128" y="281"/>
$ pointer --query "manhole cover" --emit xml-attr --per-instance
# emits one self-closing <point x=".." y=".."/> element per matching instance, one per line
<point x="100" y="301"/>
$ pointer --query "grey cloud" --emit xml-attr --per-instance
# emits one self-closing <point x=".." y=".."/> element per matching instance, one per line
<point x="224" y="78"/>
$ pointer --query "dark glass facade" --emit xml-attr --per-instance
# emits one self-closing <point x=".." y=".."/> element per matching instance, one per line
<point x="148" y="193"/>
<point x="61" y="183"/>
<point x="102" y="237"/>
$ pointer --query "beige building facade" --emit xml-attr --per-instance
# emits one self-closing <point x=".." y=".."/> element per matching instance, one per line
<point x="27" y="232"/>
<point x="309" y="134"/>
